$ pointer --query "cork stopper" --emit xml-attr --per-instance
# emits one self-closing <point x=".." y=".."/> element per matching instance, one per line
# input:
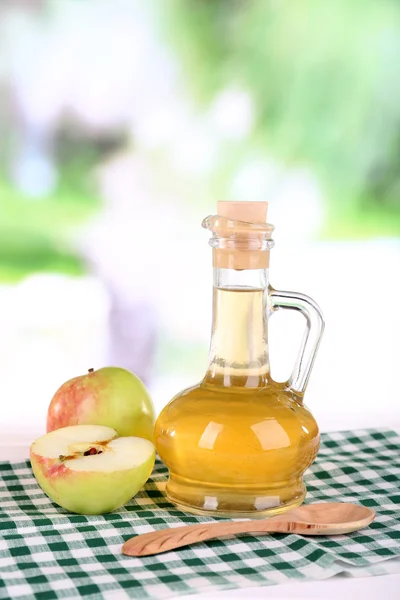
<point x="251" y="212"/>
<point x="241" y="230"/>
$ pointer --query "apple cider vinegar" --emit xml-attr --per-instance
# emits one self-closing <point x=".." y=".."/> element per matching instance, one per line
<point x="238" y="443"/>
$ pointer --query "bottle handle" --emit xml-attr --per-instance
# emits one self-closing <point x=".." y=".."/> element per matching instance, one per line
<point x="315" y="325"/>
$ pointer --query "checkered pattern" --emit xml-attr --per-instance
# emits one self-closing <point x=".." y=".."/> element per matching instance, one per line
<point x="46" y="553"/>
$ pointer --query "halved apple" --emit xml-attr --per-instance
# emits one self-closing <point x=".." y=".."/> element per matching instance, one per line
<point x="88" y="469"/>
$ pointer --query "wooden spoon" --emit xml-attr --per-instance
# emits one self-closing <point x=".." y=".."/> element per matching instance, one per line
<point x="329" y="518"/>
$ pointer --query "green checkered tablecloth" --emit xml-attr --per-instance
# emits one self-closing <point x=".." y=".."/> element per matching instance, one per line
<point x="47" y="553"/>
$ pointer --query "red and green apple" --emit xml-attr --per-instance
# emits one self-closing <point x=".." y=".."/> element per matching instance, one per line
<point x="110" y="396"/>
<point x="88" y="469"/>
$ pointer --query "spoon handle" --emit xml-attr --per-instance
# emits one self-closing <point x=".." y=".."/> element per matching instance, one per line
<point x="164" y="540"/>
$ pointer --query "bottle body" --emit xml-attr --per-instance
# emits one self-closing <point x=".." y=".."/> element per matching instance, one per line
<point x="236" y="451"/>
<point x="237" y="443"/>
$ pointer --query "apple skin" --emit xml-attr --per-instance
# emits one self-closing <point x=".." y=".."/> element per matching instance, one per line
<point x="111" y="396"/>
<point x="89" y="492"/>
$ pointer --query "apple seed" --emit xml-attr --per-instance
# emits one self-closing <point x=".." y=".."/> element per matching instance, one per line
<point x="92" y="451"/>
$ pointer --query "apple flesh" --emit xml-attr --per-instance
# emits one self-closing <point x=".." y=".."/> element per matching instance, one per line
<point x="88" y="469"/>
<point x="111" y="396"/>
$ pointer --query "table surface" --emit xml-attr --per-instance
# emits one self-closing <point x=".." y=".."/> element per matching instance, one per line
<point x="15" y="448"/>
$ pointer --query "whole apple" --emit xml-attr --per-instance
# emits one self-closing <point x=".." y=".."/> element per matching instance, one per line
<point x="88" y="469"/>
<point x="110" y="396"/>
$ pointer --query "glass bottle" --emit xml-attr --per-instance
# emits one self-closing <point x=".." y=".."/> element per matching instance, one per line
<point x="238" y="443"/>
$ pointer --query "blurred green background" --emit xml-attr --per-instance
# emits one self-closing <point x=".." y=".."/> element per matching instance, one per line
<point x="324" y="82"/>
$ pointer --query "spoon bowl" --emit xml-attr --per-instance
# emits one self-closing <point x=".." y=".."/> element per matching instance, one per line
<point x="329" y="514"/>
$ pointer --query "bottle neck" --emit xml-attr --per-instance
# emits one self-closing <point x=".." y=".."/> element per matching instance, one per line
<point x="239" y="339"/>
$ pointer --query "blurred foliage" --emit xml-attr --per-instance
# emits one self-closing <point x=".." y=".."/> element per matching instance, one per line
<point x="35" y="234"/>
<point x="325" y="82"/>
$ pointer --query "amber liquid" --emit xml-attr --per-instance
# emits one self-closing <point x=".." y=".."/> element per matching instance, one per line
<point x="237" y="444"/>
